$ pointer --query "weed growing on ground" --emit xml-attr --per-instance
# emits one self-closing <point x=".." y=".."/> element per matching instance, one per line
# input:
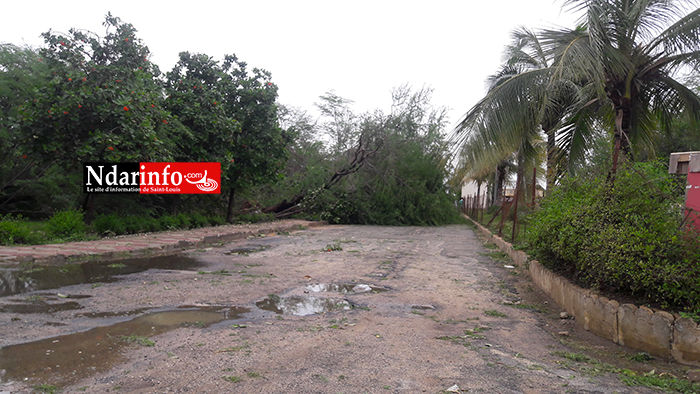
<point x="666" y="382"/>
<point x="641" y="357"/>
<point x="335" y="247"/>
<point x="45" y="388"/>
<point x="494" y="313"/>
<point x="143" y="341"/>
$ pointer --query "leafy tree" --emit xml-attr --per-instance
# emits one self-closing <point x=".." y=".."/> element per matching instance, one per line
<point x="341" y="127"/>
<point x="101" y="101"/>
<point x="195" y="89"/>
<point x="258" y="153"/>
<point x="402" y="177"/>
<point x="22" y="71"/>
<point x="629" y="52"/>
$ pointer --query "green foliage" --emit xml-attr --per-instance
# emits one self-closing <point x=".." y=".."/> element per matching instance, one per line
<point x="334" y="247"/>
<point x="66" y="224"/>
<point x="625" y="237"/>
<point x="45" y="388"/>
<point x="404" y="182"/>
<point x="114" y="224"/>
<point x="100" y="102"/>
<point x="665" y="382"/>
<point x="16" y="231"/>
<point x="196" y="88"/>
<point x="140" y="340"/>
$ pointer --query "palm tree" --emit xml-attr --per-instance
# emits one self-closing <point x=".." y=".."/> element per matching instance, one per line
<point x="505" y="124"/>
<point x="629" y="52"/>
<point x="524" y="99"/>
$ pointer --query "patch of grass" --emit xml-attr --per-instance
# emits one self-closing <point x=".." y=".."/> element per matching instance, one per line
<point x="594" y="368"/>
<point x="321" y="378"/>
<point x="578" y="357"/>
<point x="335" y="247"/>
<point x="45" y="388"/>
<point x="233" y="378"/>
<point x="641" y="357"/>
<point x="494" y="313"/>
<point x="498" y="256"/>
<point x="143" y="341"/>
<point x="665" y="382"/>
<point x="116" y="265"/>
<point x="254" y="375"/>
<point x="219" y="272"/>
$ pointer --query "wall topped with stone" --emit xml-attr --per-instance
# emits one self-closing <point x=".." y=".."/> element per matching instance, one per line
<point x="654" y="331"/>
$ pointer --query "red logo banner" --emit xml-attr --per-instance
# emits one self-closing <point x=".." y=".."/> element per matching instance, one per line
<point x="180" y="178"/>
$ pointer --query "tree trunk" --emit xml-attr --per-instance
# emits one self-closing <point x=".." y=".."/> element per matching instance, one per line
<point x="621" y="142"/>
<point x="175" y="204"/>
<point x="551" y="145"/>
<point x="534" y="186"/>
<point x="229" y="211"/>
<point x="495" y="188"/>
<point x="89" y="208"/>
<point x="478" y="200"/>
<point x="521" y="170"/>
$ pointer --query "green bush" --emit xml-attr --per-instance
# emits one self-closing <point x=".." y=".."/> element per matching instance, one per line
<point x="183" y="221"/>
<point x="66" y="224"/>
<point x="168" y="223"/>
<point x="199" y="220"/>
<point x="15" y="231"/>
<point x="624" y="237"/>
<point x="216" y="220"/>
<point x="135" y="224"/>
<point x="105" y="224"/>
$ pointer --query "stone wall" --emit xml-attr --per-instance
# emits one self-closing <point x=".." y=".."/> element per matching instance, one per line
<point x="654" y="331"/>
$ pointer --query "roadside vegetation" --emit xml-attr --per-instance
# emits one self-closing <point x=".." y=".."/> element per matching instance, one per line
<point x="85" y="98"/>
<point x="593" y="112"/>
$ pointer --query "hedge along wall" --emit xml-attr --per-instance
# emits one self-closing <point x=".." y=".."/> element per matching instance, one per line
<point x="656" y="332"/>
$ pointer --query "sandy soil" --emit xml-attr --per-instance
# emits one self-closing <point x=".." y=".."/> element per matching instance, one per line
<point x="445" y="322"/>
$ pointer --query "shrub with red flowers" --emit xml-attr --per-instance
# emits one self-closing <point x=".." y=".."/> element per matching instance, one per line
<point x="80" y="114"/>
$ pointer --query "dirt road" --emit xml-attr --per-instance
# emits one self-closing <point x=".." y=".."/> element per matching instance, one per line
<point x="336" y="309"/>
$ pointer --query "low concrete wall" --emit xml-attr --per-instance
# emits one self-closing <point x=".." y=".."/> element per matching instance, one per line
<point x="654" y="331"/>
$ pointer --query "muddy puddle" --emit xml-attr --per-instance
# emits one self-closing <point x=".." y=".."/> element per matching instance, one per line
<point x="302" y="305"/>
<point x="345" y="288"/>
<point x="37" y="277"/>
<point x="65" y="359"/>
<point x="39" y="307"/>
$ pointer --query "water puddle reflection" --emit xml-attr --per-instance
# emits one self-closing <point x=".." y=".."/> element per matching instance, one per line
<point x="345" y="288"/>
<point x="39" y="307"/>
<point x="38" y="277"/>
<point x="302" y="305"/>
<point x="63" y="360"/>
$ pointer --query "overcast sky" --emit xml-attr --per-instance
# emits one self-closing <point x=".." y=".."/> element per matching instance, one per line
<point x="360" y="49"/>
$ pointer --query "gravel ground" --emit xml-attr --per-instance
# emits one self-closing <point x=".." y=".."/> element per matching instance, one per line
<point x="416" y="309"/>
